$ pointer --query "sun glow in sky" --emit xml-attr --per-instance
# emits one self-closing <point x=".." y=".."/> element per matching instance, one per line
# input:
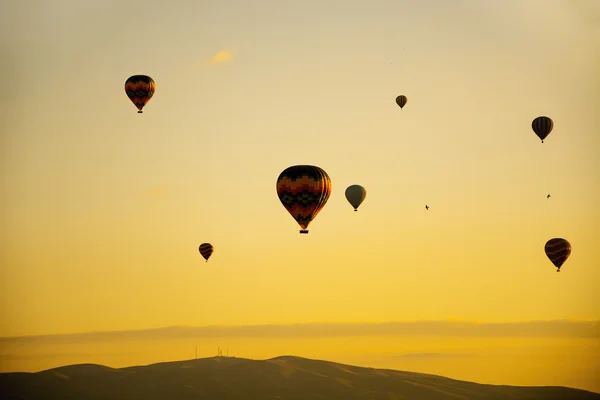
<point x="103" y="209"/>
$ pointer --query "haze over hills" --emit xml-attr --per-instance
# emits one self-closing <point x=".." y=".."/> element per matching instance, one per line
<point x="281" y="378"/>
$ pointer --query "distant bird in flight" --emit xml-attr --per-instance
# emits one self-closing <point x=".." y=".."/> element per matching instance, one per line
<point x="426" y="207"/>
<point x="548" y="196"/>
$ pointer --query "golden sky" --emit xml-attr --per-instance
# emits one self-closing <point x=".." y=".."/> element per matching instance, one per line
<point x="556" y="353"/>
<point x="103" y="209"/>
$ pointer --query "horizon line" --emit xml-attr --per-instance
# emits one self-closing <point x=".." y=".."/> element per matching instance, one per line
<point x="332" y="324"/>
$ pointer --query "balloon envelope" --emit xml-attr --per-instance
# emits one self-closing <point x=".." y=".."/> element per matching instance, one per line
<point x="140" y="89"/>
<point x="401" y="101"/>
<point x="303" y="190"/>
<point x="558" y="250"/>
<point x="355" y="195"/>
<point x="206" y="250"/>
<point x="542" y="126"/>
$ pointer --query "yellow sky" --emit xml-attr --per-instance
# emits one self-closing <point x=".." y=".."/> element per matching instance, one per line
<point x="558" y="353"/>
<point x="103" y="209"/>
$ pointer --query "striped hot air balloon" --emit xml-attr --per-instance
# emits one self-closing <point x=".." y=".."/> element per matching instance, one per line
<point x="558" y="250"/>
<point x="401" y="101"/>
<point x="206" y="249"/>
<point x="542" y="126"/>
<point x="140" y="89"/>
<point x="303" y="190"/>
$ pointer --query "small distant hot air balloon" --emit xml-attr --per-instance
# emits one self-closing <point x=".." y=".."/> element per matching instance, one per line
<point x="542" y="126"/>
<point x="303" y="190"/>
<point x="355" y="195"/>
<point x="401" y="101"/>
<point x="206" y="249"/>
<point x="558" y="250"/>
<point x="140" y="89"/>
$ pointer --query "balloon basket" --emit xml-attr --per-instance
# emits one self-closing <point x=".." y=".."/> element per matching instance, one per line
<point x="303" y="230"/>
<point x="139" y="112"/>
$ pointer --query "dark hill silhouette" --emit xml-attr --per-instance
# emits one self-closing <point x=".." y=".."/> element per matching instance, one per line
<point x="280" y="378"/>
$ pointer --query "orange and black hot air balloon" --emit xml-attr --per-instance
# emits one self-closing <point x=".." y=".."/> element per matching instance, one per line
<point x="206" y="250"/>
<point x="140" y="89"/>
<point x="542" y="126"/>
<point x="558" y="250"/>
<point x="401" y="101"/>
<point x="303" y="190"/>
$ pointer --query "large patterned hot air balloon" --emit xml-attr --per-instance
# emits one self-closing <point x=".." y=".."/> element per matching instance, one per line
<point x="558" y="250"/>
<point x="303" y="190"/>
<point x="140" y="89"/>
<point x="401" y="101"/>
<point x="206" y="249"/>
<point x="542" y="126"/>
<point x="355" y="195"/>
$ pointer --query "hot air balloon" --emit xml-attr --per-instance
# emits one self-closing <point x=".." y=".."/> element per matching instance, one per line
<point x="140" y="89"/>
<point x="401" y="101"/>
<point x="206" y="249"/>
<point x="303" y="190"/>
<point x="355" y="195"/>
<point x="542" y="126"/>
<point x="558" y="250"/>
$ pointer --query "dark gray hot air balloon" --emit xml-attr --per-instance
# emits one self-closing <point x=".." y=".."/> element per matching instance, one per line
<point x="355" y="195"/>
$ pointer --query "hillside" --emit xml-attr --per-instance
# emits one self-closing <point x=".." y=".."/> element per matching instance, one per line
<point x="280" y="378"/>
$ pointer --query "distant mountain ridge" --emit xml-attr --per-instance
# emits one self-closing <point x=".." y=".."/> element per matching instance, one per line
<point x="552" y="328"/>
<point x="279" y="378"/>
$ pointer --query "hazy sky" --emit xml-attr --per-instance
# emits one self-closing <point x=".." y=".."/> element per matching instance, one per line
<point x="563" y="353"/>
<point x="103" y="209"/>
